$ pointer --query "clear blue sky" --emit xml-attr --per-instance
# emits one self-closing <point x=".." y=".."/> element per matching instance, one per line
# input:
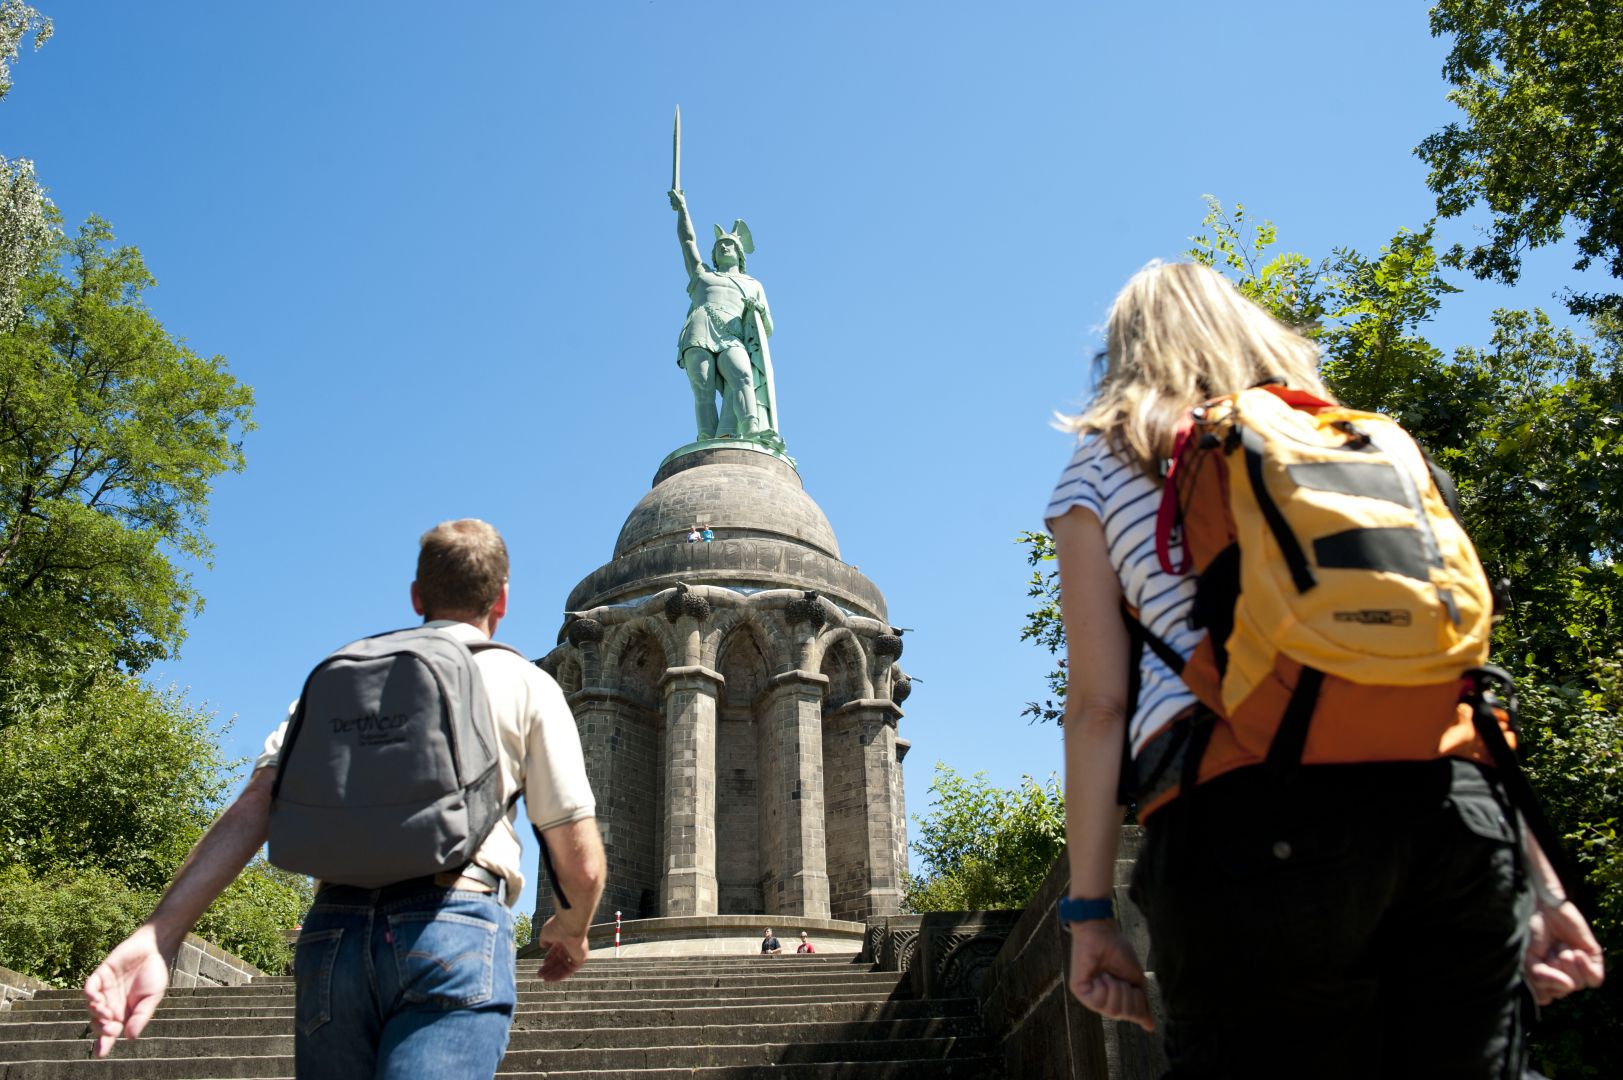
<point x="435" y="240"/>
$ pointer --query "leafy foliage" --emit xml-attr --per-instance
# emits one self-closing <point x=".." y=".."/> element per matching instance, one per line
<point x="252" y="917"/>
<point x="119" y="777"/>
<point x="982" y="847"/>
<point x="25" y="226"/>
<point x="111" y="432"/>
<point x="17" y="21"/>
<point x="1529" y="74"/>
<point x="57" y="926"/>
<point x="1043" y="623"/>
<point x="523" y="930"/>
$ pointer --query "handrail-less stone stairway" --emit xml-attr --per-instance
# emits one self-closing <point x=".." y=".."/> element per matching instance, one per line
<point x="789" y="1017"/>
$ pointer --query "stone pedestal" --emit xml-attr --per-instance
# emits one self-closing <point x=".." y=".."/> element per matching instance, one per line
<point x="690" y="791"/>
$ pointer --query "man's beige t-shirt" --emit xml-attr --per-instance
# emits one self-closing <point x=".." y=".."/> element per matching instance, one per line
<point x="540" y="745"/>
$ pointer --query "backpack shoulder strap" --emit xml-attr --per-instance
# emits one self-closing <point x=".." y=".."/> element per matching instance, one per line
<point x="487" y="644"/>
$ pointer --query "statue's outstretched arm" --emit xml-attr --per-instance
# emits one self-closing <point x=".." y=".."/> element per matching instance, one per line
<point x="684" y="233"/>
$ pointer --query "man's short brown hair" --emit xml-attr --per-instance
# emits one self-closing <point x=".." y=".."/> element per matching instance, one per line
<point x="461" y="568"/>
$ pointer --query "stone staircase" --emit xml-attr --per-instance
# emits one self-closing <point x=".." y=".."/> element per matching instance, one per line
<point x="739" y="1018"/>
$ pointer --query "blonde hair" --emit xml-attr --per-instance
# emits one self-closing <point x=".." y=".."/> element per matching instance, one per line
<point x="1180" y="334"/>
<point x="461" y="568"/>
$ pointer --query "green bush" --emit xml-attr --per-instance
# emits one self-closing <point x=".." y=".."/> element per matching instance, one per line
<point x="57" y="927"/>
<point x="252" y="917"/>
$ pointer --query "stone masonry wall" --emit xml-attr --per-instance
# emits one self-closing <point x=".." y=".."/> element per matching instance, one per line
<point x="738" y="816"/>
<point x="1029" y="1010"/>
<point x="846" y="815"/>
<point x="15" y="986"/>
<point x="200" y="963"/>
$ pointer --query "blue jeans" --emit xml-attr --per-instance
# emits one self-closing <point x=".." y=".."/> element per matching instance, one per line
<point x="407" y="982"/>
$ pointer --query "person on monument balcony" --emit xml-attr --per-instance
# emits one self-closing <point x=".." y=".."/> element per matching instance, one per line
<point x="719" y="346"/>
<point x="417" y="978"/>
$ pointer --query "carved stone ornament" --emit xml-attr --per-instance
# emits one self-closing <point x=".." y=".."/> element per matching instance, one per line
<point x="686" y="603"/>
<point x="964" y="969"/>
<point x="806" y="609"/>
<point x="900" y="687"/>
<point x="582" y="631"/>
<point x="888" y="645"/>
<point x="550" y="664"/>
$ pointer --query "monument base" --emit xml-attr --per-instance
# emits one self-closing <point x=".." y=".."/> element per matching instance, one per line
<point x="718" y="935"/>
<point x="730" y="444"/>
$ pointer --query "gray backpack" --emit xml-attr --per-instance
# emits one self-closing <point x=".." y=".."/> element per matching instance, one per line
<point x="390" y="768"/>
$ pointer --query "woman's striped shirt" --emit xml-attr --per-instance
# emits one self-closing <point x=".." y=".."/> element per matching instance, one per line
<point x="1125" y="501"/>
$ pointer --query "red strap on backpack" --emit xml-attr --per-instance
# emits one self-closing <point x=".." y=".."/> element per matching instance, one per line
<point x="1170" y="515"/>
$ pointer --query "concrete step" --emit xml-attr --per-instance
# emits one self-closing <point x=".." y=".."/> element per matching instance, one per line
<point x="695" y="1014"/>
<point x="54" y="1040"/>
<point x="271" y="1036"/>
<point x="967" y="1068"/>
<point x="198" y="1061"/>
<point x="807" y="1018"/>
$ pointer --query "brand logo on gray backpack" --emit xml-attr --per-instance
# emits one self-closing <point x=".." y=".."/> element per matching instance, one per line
<point x="391" y="767"/>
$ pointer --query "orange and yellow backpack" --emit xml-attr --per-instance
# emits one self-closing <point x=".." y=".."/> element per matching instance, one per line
<point x="1347" y="615"/>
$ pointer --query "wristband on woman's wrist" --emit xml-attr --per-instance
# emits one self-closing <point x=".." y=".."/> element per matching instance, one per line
<point x="1074" y="910"/>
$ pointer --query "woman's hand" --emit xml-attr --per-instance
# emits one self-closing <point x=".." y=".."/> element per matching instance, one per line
<point x="1105" y="974"/>
<point x="1562" y="955"/>
<point x="679" y="201"/>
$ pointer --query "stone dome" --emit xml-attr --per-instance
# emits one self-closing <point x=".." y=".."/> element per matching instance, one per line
<point x="738" y="493"/>
<point x="769" y="534"/>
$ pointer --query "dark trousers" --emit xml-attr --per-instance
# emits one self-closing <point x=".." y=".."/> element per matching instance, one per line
<point x="1362" y="921"/>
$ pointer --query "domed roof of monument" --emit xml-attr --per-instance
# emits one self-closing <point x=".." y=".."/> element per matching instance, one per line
<point x="737" y="493"/>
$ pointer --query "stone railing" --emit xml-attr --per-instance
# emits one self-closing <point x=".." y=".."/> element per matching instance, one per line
<point x="1029" y="1009"/>
<point x="944" y="953"/>
<point x="17" y="987"/>
<point x="200" y="963"/>
<point x="1017" y="963"/>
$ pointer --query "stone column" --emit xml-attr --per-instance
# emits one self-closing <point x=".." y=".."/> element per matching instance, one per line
<point x="873" y="724"/>
<point x="796" y="877"/>
<point x="689" y="884"/>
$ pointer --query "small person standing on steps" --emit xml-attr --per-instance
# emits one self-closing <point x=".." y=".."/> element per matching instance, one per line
<point x="770" y="946"/>
<point x="805" y="944"/>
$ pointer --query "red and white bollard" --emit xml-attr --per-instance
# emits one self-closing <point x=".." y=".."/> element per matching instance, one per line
<point x="616" y="933"/>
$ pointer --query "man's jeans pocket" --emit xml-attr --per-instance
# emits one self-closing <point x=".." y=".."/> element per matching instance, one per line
<point x="444" y="958"/>
<point x="314" y="958"/>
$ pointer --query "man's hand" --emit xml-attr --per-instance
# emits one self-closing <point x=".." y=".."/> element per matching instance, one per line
<point x="125" y="990"/>
<point x="1562" y="956"/>
<point x="1105" y="975"/>
<point x="566" y="952"/>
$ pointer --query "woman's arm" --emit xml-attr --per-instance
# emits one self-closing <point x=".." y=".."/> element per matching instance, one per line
<point x="1105" y="975"/>
<point x="685" y="235"/>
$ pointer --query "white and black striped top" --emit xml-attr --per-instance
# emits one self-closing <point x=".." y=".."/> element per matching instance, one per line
<point x="1126" y="501"/>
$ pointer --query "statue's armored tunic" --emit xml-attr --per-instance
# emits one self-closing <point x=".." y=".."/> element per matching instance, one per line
<point x="716" y="318"/>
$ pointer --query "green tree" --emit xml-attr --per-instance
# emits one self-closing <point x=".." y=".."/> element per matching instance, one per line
<point x="117" y="777"/>
<point x="111" y="433"/>
<point x="253" y="916"/>
<point x="1542" y="74"/>
<point x="24" y="210"/>
<point x="982" y="847"/>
